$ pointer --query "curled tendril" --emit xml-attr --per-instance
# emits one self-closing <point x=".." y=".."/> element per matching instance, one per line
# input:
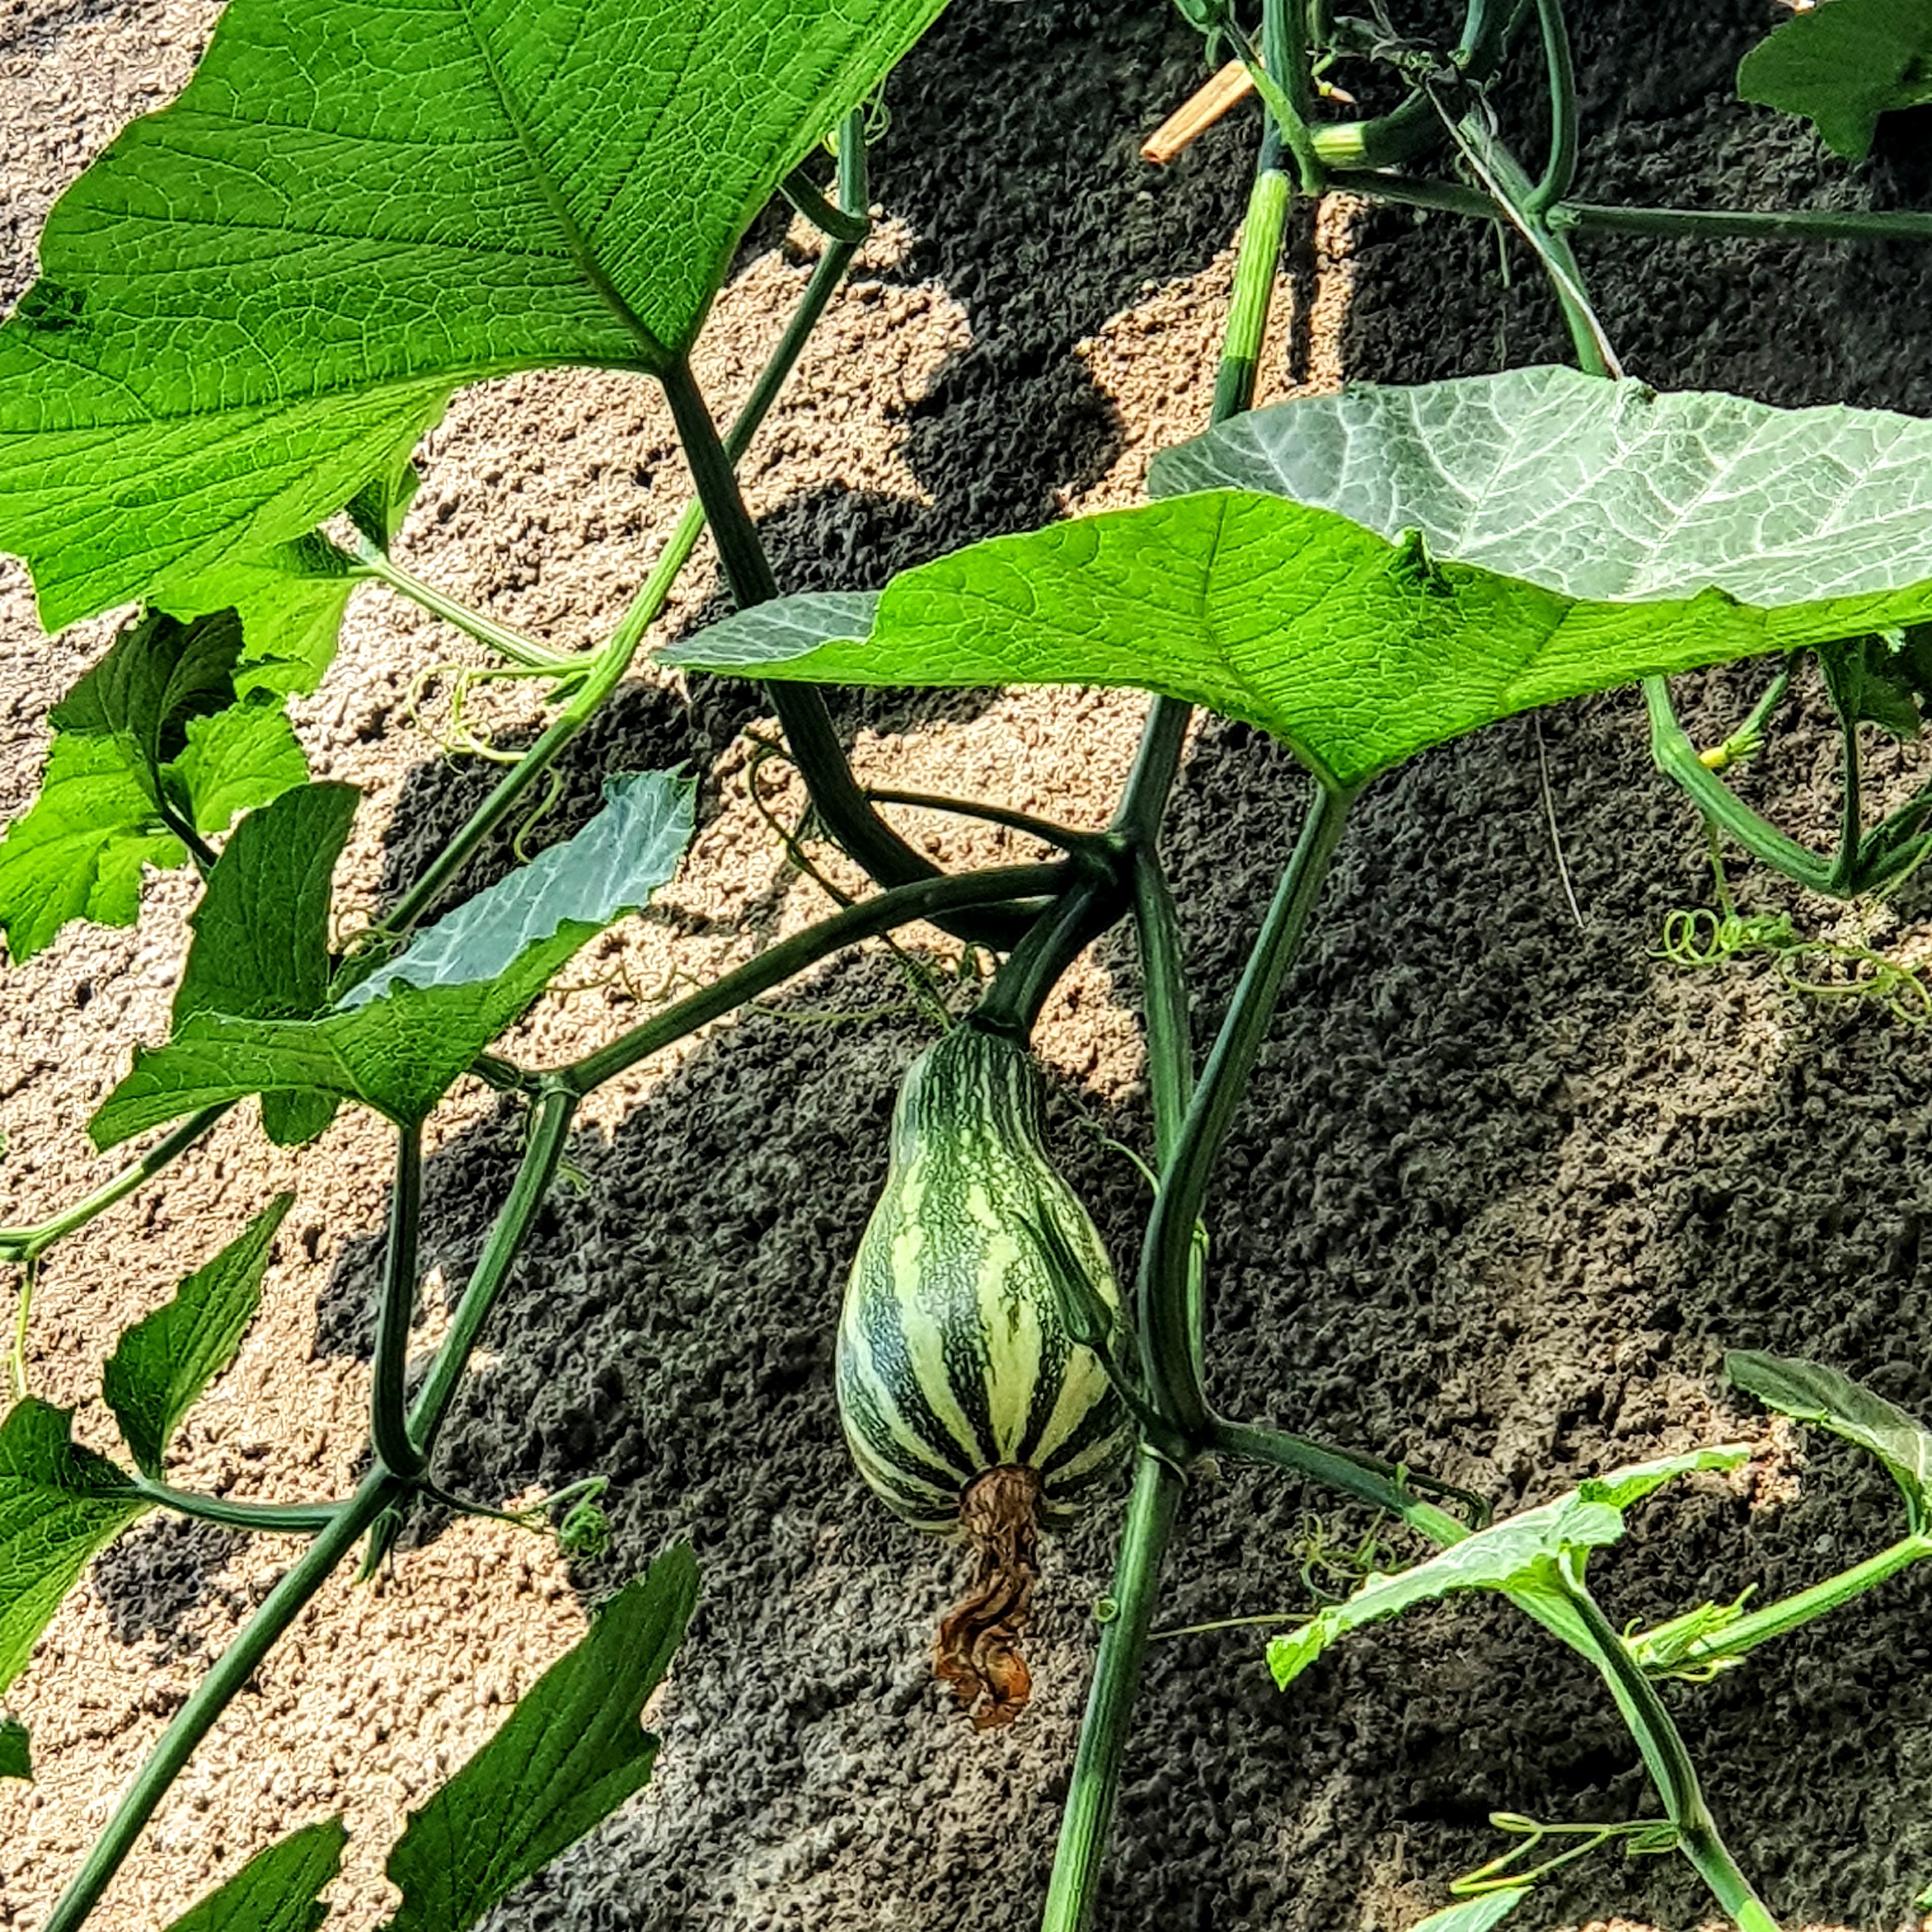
<point x="926" y="987"/>
<point x="460" y="740"/>
<point x="1325" y="1560"/>
<point x="1700" y="937"/>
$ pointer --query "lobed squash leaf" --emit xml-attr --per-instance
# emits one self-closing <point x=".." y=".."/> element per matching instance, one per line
<point x="1391" y="567"/>
<point x="399" y="1039"/>
<point x="59" y="1504"/>
<point x="255" y="301"/>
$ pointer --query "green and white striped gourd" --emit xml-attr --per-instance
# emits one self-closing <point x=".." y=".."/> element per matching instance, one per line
<point x="954" y="1356"/>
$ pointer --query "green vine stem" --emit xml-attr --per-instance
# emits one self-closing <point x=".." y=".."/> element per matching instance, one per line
<point x="607" y="666"/>
<point x="1559" y="173"/>
<point x="388" y="1421"/>
<point x="1170" y="1367"/>
<point x="849" y="225"/>
<point x="1095" y="1779"/>
<point x="1159" y="1482"/>
<point x="859" y="831"/>
<point x="367" y="561"/>
<point x="1846" y="875"/>
<point x="1011" y="1006"/>
<point x="1045" y="829"/>
<point x="1254" y="267"/>
<point x="1170" y="1050"/>
<point x="931" y="899"/>
<point x="1689" y="224"/>
<point x="1411" y="129"/>
<point x="25" y="1246"/>
<point x="1168" y="1348"/>
<point x="1669" y="1762"/>
<point x="1730" y="1642"/>
<point x="549" y="1125"/>
<point x="1675" y="755"/>
<point x="273" y="1519"/>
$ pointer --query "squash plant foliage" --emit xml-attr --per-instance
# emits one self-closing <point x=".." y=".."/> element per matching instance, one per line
<point x="250" y="310"/>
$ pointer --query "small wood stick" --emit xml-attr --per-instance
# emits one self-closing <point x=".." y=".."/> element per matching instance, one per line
<point x="1199" y="113"/>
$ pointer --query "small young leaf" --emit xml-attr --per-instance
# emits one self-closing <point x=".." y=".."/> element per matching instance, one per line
<point x="59" y="1504"/>
<point x="1842" y="65"/>
<point x="1520" y="1552"/>
<point x="571" y="1752"/>
<point x="243" y="756"/>
<point x="156" y="676"/>
<point x="278" y="1890"/>
<point x="1809" y="1392"/>
<point x="400" y="1048"/>
<point x="1885" y="681"/>
<point x="261" y="932"/>
<point x="1476" y="1914"/>
<point x="15" y="1759"/>
<point x="78" y="852"/>
<point x="153" y="729"/>
<point x="162" y="1364"/>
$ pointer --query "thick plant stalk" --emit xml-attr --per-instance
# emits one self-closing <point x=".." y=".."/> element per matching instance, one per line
<point x="1158" y="1482"/>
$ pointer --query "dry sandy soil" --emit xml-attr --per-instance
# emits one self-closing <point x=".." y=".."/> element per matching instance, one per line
<point x="1507" y="1188"/>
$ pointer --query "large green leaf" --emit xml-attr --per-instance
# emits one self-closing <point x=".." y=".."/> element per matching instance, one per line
<point x="1809" y="1392"/>
<point x="1498" y="564"/>
<point x="572" y="1751"/>
<point x="1516" y="1556"/>
<point x="257" y="300"/>
<point x="278" y="1890"/>
<point x="153" y="733"/>
<point x="59" y="1504"/>
<point x="16" y="1759"/>
<point x="398" y="1041"/>
<point x="1606" y="492"/>
<point x="1842" y="65"/>
<point x="160" y="1365"/>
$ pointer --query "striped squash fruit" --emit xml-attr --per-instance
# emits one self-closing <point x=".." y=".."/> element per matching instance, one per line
<point x="954" y="1357"/>
<point x="967" y="1404"/>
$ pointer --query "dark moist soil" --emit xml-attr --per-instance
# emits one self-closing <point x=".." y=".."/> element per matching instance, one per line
<point x="1507" y="1188"/>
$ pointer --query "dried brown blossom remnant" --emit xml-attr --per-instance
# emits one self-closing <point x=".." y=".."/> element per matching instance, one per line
<point x="977" y="1651"/>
